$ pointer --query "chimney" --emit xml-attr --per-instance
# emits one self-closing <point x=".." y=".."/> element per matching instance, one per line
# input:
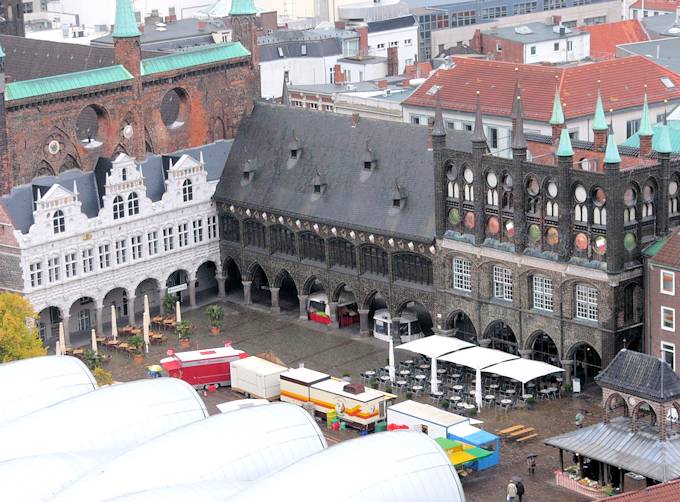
<point x="381" y="84"/>
<point x="392" y="61"/>
<point x="645" y="145"/>
<point x="600" y="139"/>
<point x="201" y="25"/>
<point x="338" y="76"/>
<point x="362" y="31"/>
<point x="355" y="119"/>
<point x="340" y="25"/>
<point x="476" y="41"/>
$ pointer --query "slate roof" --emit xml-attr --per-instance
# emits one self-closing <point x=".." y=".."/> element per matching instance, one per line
<point x="664" y="24"/>
<point x="615" y="444"/>
<point x="19" y="202"/>
<point x="605" y="37"/>
<point x="28" y="59"/>
<point x="664" y="51"/>
<point x="622" y="86"/>
<point x="641" y="375"/>
<point x="330" y="144"/>
<point x="540" y="32"/>
<point x="293" y="49"/>
<point x="392" y="24"/>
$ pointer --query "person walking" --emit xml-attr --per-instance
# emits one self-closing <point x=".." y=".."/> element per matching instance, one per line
<point x="531" y="464"/>
<point x="512" y="491"/>
<point x="579" y="420"/>
<point x="520" y="490"/>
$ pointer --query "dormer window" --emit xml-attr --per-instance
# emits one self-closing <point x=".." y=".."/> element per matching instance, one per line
<point x="317" y="188"/>
<point x="58" y="222"/>
<point x="396" y="203"/>
<point x="187" y="191"/>
<point x="118" y="208"/>
<point x="123" y="174"/>
<point x="398" y="196"/>
<point x="293" y="154"/>
<point x="319" y="183"/>
<point x="368" y="165"/>
<point x="369" y="159"/>
<point x="295" y="148"/>
<point x="249" y="171"/>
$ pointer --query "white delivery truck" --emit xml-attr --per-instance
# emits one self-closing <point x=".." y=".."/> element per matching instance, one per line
<point x="256" y="377"/>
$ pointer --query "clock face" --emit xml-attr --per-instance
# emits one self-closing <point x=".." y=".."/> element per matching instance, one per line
<point x="53" y="147"/>
<point x="128" y="131"/>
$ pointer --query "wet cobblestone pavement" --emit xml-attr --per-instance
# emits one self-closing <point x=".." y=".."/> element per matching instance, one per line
<point x="334" y="351"/>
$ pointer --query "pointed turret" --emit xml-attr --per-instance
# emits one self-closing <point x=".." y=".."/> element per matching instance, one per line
<point x="519" y="142"/>
<point x="438" y="129"/>
<point x="599" y="121"/>
<point x="645" y="132"/>
<point x="242" y="8"/>
<point x="564" y="149"/>
<point x="557" y="117"/>
<point x="285" y="99"/>
<point x="125" y="23"/>
<point x="478" y="135"/>
<point x="662" y="143"/>
<point x="611" y="154"/>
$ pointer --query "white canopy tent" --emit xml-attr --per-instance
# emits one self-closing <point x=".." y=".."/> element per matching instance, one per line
<point x="523" y="370"/>
<point x="478" y="358"/>
<point x="434" y="347"/>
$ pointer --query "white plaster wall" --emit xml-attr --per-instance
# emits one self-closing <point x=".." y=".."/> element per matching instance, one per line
<point x="407" y="51"/>
<point x="301" y="71"/>
<point x="545" y="51"/>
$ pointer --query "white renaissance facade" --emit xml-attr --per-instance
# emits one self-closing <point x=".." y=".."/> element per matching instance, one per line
<point x="109" y="237"/>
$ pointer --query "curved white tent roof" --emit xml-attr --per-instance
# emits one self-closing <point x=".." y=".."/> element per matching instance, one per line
<point x="32" y="384"/>
<point x="203" y="491"/>
<point x="478" y="358"/>
<point x="113" y="418"/>
<point x="522" y="370"/>
<point x="398" y="466"/>
<point x="242" y="445"/>
<point x="435" y="345"/>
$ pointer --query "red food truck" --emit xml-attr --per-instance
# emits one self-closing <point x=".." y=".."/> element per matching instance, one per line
<point x="201" y="368"/>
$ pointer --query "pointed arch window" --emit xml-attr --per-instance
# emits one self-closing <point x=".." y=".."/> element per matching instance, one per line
<point x="552" y="209"/>
<point x="58" y="222"/>
<point x="133" y="204"/>
<point x="187" y="191"/>
<point x="118" y="208"/>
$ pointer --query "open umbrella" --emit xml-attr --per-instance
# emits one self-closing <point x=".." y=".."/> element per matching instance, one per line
<point x="114" y="323"/>
<point x="62" y="338"/>
<point x="145" y="324"/>
<point x="178" y="312"/>
<point x="433" y="375"/>
<point x="57" y="349"/>
<point x="94" y="342"/>
<point x="391" y="358"/>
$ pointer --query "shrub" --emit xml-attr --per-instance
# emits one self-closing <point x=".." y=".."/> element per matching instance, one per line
<point x="93" y="359"/>
<point x="102" y="376"/>
<point x="444" y="404"/>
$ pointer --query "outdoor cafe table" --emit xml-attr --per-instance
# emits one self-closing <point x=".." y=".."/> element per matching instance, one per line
<point x="454" y="398"/>
<point x="457" y="387"/>
<point x="385" y="378"/>
<point x="408" y="362"/>
<point x="506" y="401"/>
<point x="441" y="371"/>
<point x="404" y="372"/>
<point x="420" y="378"/>
<point x="424" y="367"/>
<point x="510" y="392"/>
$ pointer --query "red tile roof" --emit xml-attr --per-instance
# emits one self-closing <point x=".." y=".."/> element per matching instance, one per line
<point x="622" y="85"/>
<point x="669" y="255"/>
<point x="544" y="154"/>
<point x="605" y="37"/>
<point x="418" y="70"/>
<point x="664" y="492"/>
<point x="664" y="5"/>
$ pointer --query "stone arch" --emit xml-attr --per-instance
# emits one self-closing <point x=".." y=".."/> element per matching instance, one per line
<point x="69" y="163"/>
<point x="175" y="108"/>
<point x="502" y="337"/>
<point x="49" y="317"/>
<point x="462" y="326"/>
<point x="219" y="131"/>
<point x="289" y="291"/>
<point x="311" y="283"/>
<point x="409" y="308"/>
<point x="118" y="150"/>
<point x="92" y="126"/>
<point x="206" y="279"/>
<point x="43" y="169"/>
<point x="587" y="362"/>
<point x="635" y="414"/>
<point x="373" y="302"/>
<point x="543" y="348"/>
<point x="259" y="284"/>
<point x="231" y="272"/>
<point x="148" y="142"/>
<point x="608" y="408"/>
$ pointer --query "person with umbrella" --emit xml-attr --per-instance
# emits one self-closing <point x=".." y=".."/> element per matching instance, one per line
<point x="512" y="491"/>
<point x="531" y="463"/>
<point x="519" y="485"/>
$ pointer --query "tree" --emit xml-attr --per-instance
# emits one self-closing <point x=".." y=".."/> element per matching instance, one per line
<point x="18" y="334"/>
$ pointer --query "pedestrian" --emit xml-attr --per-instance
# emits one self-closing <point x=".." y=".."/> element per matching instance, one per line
<point x="520" y="490"/>
<point x="531" y="464"/>
<point x="579" y="420"/>
<point x="512" y="491"/>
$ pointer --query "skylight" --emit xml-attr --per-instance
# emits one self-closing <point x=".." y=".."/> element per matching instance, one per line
<point x="433" y="90"/>
<point x="668" y="82"/>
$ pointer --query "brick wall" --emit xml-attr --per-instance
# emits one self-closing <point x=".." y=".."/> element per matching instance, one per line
<point x="655" y="300"/>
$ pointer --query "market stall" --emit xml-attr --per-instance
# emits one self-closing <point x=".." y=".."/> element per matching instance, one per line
<point x="462" y="454"/>
<point x="318" y="309"/>
<point x="409" y="327"/>
<point x="475" y="436"/>
<point x="522" y="370"/>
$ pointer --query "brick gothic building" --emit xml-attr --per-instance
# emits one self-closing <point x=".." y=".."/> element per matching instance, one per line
<point x="539" y="254"/>
<point x="137" y="105"/>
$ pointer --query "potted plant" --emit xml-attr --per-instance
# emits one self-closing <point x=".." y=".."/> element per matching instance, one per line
<point x="444" y="404"/>
<point x="408" y="395"/>
<point x="102" y="377"/>
<point x="137" y="344"/>
<point x="169" y="303"/>
<point x="373" y="383"/>
<point x="531" y="402"/>
<point x="92" y="359"/>
<point x="184" y="330"/>
<point x="215" y="314"/>
<point x="473" y="412"/>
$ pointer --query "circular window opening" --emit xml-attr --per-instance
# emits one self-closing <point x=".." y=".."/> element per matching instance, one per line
<point x="532" y="186"/>
<point x="469" y="221"/>
<point x="491" y="180"/>
<point x="510" y="228"/>
<point x="454" y="216"/>
<point x="648" y="193"/>
<point x="599" y="197"/>
<point x="552" y="236"/>
<point x="673" y="187"/>
<point x="629" y="198"/>
<point x="629" y="241"/>
<point x="534" y="233"/>
<point x="507" y="182"/>
<point x="552" y="189"/>
<point x="468" y="175"/>
<point x="581" y="242"/>
<point x="580" y="194"/>
<point x="451" y="171"/>
<point x="493" y="226"/>
<point x="174" y="108"/>
<point x="91" y="127"/>
<point x="600" y="245"/>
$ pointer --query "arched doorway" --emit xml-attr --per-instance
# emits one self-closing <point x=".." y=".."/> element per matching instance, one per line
<point x="544" y="349"/>
<point x="502" y="337"/>
<point x="462" y="327"/>
<point x="48" y="323"/>
<point x="259" y="287"/>
<point x="82" y="315"/>
<point x="92" y="126"/>
<point x="148" y="287"/>
<point x="288" y="293"/>
<point x="179" y="279"/>
<point x="615" y="406"/>
<point x="376" y="303"/>
<point x="117" y="298"/>
<point x="233" y="282"/>
<point x="206" y="283"/>
<point x="347" y="308"/>
<point x="318" y="305"/>
<point x="415" y="309"/>
<point x="586" y="363"/>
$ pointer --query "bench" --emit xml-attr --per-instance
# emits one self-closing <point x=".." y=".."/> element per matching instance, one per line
<point x="525" y="438"/>
<point x="521" y="432"/>
<point x="509" y="430"/>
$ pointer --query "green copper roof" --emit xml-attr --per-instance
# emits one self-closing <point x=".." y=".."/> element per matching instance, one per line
<point x="645" y="124"/>
<point x="673" y="134"/>
<point x="663" y="143"/>
<point x="207" y="55"/>
<point x="656" y="246"/>
<point x="125" y="24"/>
<point x="611" y="153"/>
<point x="599" y="122"/>
<point x="557" y="117"/>
<point x="242" y="8"/>
<point x="67" y="82"/>
<point x="564" y="149"/>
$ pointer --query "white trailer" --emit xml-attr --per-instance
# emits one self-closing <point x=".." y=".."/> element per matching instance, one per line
<point x="256" y="377"/>
<point x="424" y="418"/>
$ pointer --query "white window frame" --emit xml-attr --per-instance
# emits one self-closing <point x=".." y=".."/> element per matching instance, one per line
<point x="502" y="283"/>
<point x="87" y="256"/>
<point x="183" y="235"/>
<point x="53" y="269"/>
<point x="462" y="275"/>
<point x="152" y="242"/>
<point x="661" y="288"/>
<point x="663" y="323"/>
<point x="168" y="239"/>
<point x="121" y="252"/>
<point x="197" y="226"/>
<point x="136" y="246"/>
<point x="104" y="256"/>
<point x="586" y="303"/>
<point x="543" y="293"/>
<point x="35" y="270"/>
<point x="70" y="267"/>
<point x="212" y="227"/>
<point x="666" y="347"/>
